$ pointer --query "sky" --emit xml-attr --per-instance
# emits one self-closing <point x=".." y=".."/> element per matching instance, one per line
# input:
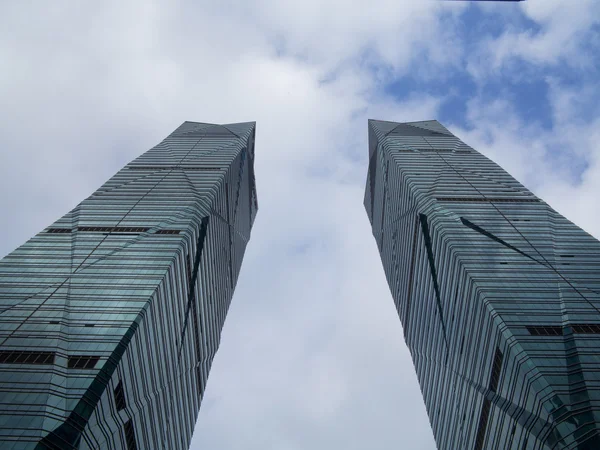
<point x="312" y="353"/>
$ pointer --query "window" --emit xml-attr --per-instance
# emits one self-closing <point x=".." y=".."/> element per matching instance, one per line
<point x="19" y="357"/>
<point x="58" y="230"/>
<point x="483" y="420"/>
<point x="485" y="409"/>
<point x="130" y="435"/>
<point x="150" y="167"/>
<point x="586" y="328"/>
<point x="544" y="330"/>
<point x="188" y="269"/>
<point x="168" y="232"/>
<point x="496" y="368"/>
<point x="436" y="150"/>
<point x="82" y="362"/>
<point x="113" y="229"/>
<point x="551" y="330"/>
<point x="172" y="168"/>
<point x="487" y="199"/>
<point x="120" y="397"/>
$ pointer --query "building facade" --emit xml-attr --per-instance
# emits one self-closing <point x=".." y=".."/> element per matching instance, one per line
<point x="498" y="294"/>
<point x="110" y="317"/>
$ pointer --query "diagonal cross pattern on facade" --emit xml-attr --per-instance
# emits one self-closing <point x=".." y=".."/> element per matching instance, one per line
<point x="110" y="317"/>
<point x="498" y="294"/>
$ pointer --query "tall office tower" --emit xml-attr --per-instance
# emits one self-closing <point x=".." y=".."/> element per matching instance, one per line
<point x="110" y="318"/>
<point x="498" y="294"/>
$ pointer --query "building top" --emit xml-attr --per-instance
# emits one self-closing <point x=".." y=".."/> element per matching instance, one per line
<point x="420" y="128"/>
<point x="426" y="135"/>
<point x="240" y="130"/>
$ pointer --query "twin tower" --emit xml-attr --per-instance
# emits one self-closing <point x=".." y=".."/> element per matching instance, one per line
<point x="110" y="318"/>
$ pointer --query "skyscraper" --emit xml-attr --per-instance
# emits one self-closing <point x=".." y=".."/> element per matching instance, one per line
<point x="498" y="294"/>
<point x="110" y="317"/>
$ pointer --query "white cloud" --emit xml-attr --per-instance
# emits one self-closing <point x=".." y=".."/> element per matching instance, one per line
<point x="561" y="165"/>
<point x="312" y="334"/>
<point x="564" y="31"/>
<point x="312" y="354"/>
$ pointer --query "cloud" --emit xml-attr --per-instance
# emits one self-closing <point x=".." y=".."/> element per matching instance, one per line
<point x="312" y="354"/>
<point x="302" y="350"/>
<point x="555" y="34"/>
<point x="561" y="165"/>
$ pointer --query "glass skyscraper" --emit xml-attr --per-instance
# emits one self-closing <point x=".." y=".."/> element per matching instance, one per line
<point x="498" y="294"/>
<point x="110" y="317"/>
